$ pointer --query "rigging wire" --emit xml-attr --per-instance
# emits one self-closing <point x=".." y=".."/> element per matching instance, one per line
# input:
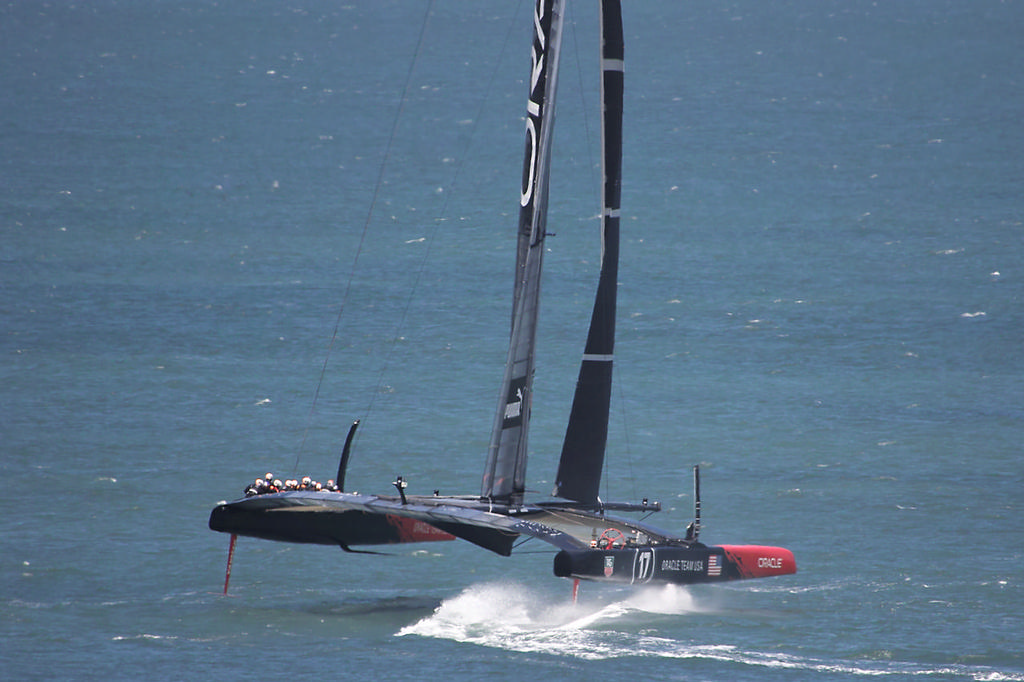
<point x="370" y="213"/>
<point x="595" y="181"/>
<point x="625" y="432"/>
<point x="443" y="215"/>
<point x="366" y="227"/>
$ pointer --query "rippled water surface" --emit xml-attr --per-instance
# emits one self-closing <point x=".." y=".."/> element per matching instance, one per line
<point x="820" y="303"/>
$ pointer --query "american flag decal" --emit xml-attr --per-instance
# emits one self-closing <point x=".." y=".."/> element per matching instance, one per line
<point x="714" y="565"/>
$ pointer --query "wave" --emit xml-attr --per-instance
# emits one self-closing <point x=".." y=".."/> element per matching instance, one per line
<point x="517" y="618"/>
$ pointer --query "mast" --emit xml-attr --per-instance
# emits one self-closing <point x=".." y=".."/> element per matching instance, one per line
<point x="504" y="478"/>
<point x="579" y="470"/>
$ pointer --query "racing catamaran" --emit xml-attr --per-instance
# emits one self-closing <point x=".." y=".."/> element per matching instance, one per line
<point x="593" y="542"/>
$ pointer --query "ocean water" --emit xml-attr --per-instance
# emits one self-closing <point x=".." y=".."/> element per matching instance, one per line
<point x="821" y="302"/>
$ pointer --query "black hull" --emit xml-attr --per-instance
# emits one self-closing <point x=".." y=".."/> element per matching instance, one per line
<point x="678" y="565"/>
<point x="321" y="526"/>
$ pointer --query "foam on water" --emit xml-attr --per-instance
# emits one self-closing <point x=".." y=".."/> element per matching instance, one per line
<point x="514" y="617"/>
<point x="511" y="616"/>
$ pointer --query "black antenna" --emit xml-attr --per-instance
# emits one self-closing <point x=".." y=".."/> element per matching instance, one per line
<point x="696" y="500"/>
<point x="693" y="530"/>
<point x="345" y="452"/>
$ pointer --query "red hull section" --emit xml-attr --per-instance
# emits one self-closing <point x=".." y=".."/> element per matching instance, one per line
<point x="757" y="561"/>
<point x="412" y="530"/>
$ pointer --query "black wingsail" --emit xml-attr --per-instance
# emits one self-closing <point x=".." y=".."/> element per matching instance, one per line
<point x="579" y="470"/>
<point x="504" y="478"/>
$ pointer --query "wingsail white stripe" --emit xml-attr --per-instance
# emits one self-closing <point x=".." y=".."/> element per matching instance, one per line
<point x="612" y="65"/>
<point x="593" y="357"/>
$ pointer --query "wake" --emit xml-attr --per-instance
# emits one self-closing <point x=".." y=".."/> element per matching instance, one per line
<point x="517" y="618"/>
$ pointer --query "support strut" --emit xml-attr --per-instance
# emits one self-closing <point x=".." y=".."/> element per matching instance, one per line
<point x="231" y="556"/>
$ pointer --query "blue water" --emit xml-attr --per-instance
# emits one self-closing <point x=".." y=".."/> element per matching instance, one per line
<point x="821" y="302"/>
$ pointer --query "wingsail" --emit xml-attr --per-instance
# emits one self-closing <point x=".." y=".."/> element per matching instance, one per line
<point x="504" y="478"/>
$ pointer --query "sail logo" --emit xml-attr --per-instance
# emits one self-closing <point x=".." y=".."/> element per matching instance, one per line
<point x="515" y="410"/>
<point x="536" y="102"/>
<point x="514" y="403"/>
